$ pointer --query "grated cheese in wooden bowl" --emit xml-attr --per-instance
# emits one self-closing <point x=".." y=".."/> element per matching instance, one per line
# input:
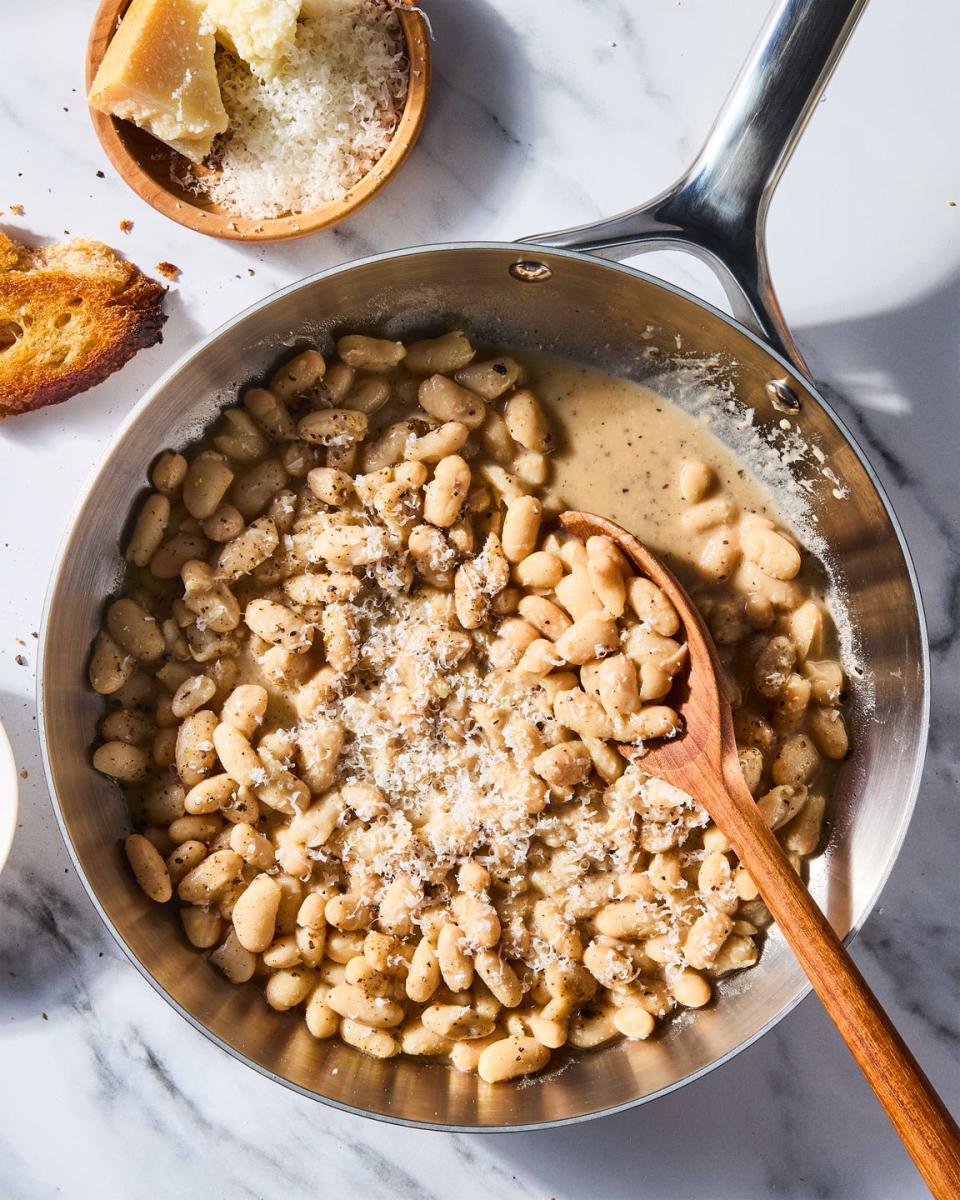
<point x="306" y="134"/>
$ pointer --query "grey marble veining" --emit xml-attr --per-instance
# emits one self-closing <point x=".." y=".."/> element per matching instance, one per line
<point x="542" y="116"/>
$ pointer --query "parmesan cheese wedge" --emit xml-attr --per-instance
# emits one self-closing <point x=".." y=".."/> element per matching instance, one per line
<point x="260" y="32"/>
<point x="159" y="72"/>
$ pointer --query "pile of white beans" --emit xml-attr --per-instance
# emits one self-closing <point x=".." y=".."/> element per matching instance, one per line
<point x="565" y="898"/>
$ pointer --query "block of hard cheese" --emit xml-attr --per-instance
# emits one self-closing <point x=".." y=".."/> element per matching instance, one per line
<point x="159" y="72"/>
<point x="261" y="32"/>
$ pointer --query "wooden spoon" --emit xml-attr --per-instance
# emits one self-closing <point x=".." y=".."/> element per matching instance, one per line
<point x="702" y="761"/>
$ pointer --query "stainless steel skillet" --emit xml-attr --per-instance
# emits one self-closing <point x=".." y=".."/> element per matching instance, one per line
<point x="545" y="296"/>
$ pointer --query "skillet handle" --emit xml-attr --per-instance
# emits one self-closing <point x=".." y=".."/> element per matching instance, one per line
<point x="718" y="209"/>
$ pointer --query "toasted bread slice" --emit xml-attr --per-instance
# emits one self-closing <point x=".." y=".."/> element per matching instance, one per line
<point x="70" y="315"/>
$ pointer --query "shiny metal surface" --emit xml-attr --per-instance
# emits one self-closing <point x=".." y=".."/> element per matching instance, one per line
<point x="782" y="396"/>
<point x="596" y="312"/>
<point x="717" y="210"/>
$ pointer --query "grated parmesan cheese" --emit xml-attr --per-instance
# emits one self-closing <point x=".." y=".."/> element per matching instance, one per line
<point x="308" y="133"/>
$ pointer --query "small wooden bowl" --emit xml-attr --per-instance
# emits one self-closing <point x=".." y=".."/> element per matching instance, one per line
<point x="145" y="163"/>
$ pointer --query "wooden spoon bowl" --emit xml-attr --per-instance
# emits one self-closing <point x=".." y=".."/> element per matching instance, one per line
<point x="702" y="760"/>
<point x="152" y="169"/>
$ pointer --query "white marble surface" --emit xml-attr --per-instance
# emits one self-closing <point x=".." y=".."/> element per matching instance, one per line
<point x="543" y="115"/>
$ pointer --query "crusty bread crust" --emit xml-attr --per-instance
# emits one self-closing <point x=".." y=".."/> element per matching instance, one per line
<point x="70" y="315"/>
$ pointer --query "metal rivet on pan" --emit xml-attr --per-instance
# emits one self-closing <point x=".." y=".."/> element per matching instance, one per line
<point x="530" y="272"/>
<point x="782" y="396"/>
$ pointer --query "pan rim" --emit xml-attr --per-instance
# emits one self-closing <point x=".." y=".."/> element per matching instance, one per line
<point x="524" y="251"/>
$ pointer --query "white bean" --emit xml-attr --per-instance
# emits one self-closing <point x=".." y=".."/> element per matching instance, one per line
<point x="592" y="636"/>
<point x="206" y="484"/>
<point x="447" y="401"/>
<point x="149" y="869"/>
<point x="192" y="694"/>
<point x="298" y="376"/>
<point x="490" y="379"/>
<point x="446" y="439"/>
<point x="149" y="530"/>
<point x="331" y="486"/>
<point x="446" y="493"/>
<point x="368" y="353"/>
<point x="333" y="427"/>
<point x="134" y="630"/>
<point x="195" y="752"/>
<point x="255" y="914"/>
<point x="278" y="625"/>
<point x="521" y="527"/>
<point x="511" y="1057"/>
<point x="526" y="422"/>
<point x="236" y="963"/>
<point x="446" y="353"/>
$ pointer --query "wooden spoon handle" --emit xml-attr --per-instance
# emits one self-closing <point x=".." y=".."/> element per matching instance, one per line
<point x="926" y="1128"/>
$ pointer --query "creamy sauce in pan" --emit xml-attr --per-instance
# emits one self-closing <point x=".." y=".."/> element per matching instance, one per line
<point x="620" y="450"/>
